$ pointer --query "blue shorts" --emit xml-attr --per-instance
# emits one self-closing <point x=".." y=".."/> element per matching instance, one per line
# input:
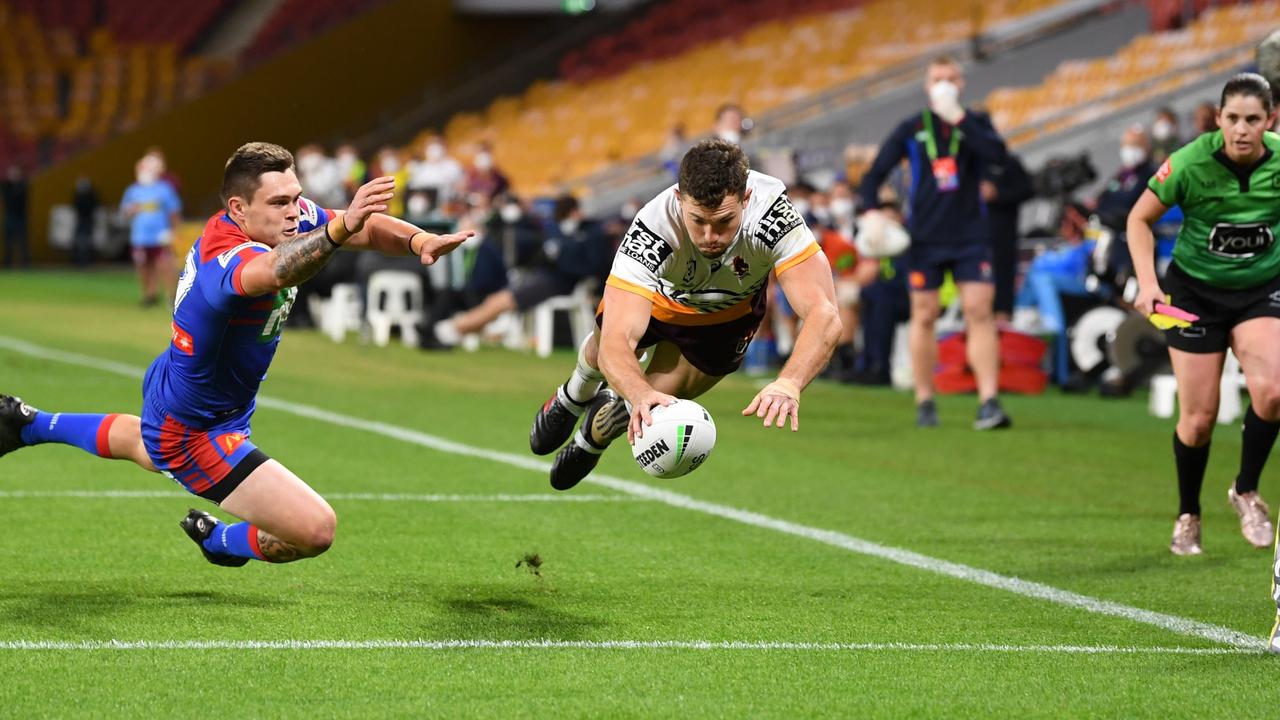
<point x="927" y="264"/>
<point x="209" y="462"/>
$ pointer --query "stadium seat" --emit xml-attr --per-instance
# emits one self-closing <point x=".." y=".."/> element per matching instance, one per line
<point x="581" y="306"/>
<point x="394" y="300"/>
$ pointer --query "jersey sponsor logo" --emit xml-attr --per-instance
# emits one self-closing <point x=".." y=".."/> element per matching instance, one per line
<point x="279" y="313"/>
<point x="225" y="258"/>
<point x="230" y="442"/>
<point x="781" y="219"/>
<point x="1166" y="168"/>
<point x="1240" y="242"/>
<point x="183" y="340"/>
<point x="645" y="247"/>
<point x="308" y="212"/>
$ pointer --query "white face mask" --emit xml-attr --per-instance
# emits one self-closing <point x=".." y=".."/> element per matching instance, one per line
<point x="146" y="177"/>
<point x="511" y="213"/>
<point x="1132" y="156"/>
<point x="417" y="205"/>
<point x="484" y="161"/>
<point x="822" y="214"/>
<point x="569" y="226"/>
<point x="732" y="136"/>
<point x="943" y="92"/>
<point x="842" y="208"/>
<point x="1162" y="130"/>
<point x="801" y="206"/>
<point x="435" y="151"/>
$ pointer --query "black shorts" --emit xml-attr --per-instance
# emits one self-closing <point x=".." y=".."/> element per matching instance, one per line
<point x="534" y="287"/>
<point x="716" y="350"/>
<point x="1220" y="309"/>
<point x="927" y="264"/>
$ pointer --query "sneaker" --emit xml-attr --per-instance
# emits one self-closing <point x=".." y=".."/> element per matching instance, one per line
<point x="1186" y="535"/>
<point x="927" y="414"/>
<point x="605" y="420"/>
<point x="14" y="415"/>
<point x="199" y="525"/>
<point x="991" y="416"/>
<point x="1273" y="643"/>
<point x="554" y="423"/>
<point x="1255" y="521"/>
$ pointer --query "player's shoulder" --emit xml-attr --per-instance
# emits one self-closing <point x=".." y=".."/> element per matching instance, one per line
<point x="653" y="235"/>
<point x="1271" y="141"/>
<point x="770" y="214"/>
<point x="1199" y="150"/>
<point x="222" y="239"/>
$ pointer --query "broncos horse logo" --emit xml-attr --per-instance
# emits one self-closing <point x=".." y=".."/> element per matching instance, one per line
<point x="740" y="267"/>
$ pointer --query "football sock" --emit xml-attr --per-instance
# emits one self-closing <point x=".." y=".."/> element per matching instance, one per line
<point x="240" y="540"/>
<point x="1191" y="462"/>
<point x="87" y="432"/>
<point x="1256" y="440"/>
<point x="585" y="381"/>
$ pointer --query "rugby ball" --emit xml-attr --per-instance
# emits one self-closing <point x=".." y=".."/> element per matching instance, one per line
<point x="678" y="442"/>
<point x="880" y="236"/>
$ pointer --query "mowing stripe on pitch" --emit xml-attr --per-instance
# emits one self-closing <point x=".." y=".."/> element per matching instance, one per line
<point x="1173" y="623"/>
<point x="99" y="645"/>
<point x="377" y="497"/>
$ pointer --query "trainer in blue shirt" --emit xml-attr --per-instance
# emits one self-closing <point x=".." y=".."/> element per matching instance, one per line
<point x="154" y="210"/>
<point x="948" y="148"/>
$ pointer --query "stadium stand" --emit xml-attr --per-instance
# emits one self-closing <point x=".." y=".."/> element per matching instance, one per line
<point x="294" y="20"/>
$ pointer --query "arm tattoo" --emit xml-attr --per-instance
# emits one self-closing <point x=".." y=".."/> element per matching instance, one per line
<point x="273" y="548"/>
<point x="299" y="259"/>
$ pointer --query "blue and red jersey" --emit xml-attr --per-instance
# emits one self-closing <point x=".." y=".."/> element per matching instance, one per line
<point x="223" y="340"/>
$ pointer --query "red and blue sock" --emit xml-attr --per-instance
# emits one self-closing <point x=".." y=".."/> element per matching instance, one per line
<point x="238" y="540"/>
<point x="87" y="432"/>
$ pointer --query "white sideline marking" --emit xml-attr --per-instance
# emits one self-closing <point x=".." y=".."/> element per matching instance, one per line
<point x="382" y="497"/>
<point x="60" y="645"/>
<point x="1173" y="623"/>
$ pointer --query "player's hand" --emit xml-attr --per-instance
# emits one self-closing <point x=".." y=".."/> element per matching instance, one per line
<point x="1148" y="296"/>
<point x="372" y="197"/>
<point x="640" y="412"/>
<point x="776" y="402"/>
<point x="435" y="246"/>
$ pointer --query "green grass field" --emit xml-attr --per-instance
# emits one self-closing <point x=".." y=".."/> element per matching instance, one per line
<point x="857" y="568"/>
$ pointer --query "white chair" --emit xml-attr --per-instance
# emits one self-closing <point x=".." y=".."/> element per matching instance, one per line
<point x="343" y="312"/>
<point x="580" y="304"/>
<point x="1164" y="393"/>
<point x="394" y="299"/>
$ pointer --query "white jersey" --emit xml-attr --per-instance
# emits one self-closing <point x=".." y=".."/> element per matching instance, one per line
<point x="658" y="260"/>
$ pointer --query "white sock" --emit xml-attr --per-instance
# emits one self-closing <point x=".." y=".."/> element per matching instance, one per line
<point x="447" y="332"/>
<point x="585" y="381"/>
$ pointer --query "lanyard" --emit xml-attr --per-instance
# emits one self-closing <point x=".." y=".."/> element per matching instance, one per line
<point x="931" y="145"/>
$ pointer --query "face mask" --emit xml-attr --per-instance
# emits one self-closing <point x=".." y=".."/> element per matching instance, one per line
<point x="569" y="226"/>
<point x="511" y="213"/>
<point x="822" y="214"/>
<point x="628" y="211"/>
<point x="435" y="151"/>
<point x="390" y="164"/>
<point x="943" y="92"/>
<point x="417" y="205"/>
<point x="842" y="208"/>
<point x="732" y="136"/>
<point x="1162" y="130"/>
<point x="801" y="206"/>
<point x="1132" y="156"/>
<point x="146" y="177"/>
<point x="307" y="163"/>
<point x="484" y="161"/>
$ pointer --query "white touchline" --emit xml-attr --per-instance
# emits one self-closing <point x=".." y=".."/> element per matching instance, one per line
<point x="1173" y="623"/>
<point x="376" y="497"/>
<point x="60" y="645"/>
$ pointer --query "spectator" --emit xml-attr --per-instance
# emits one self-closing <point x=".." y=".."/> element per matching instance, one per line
<point x="674" y="148"/>
<point x="153" y="210"/>
<point x="1125" y="187"/>
<point x="1061" y="270"/>
<point x="1165" y="137"/>
<point x="351" y="169"/>
<point x="85" y="203"/>
<point x="578" y="250"/>
<point x="731" y="123"/>
<point x="884" y="303"/>
<point x="436" y="173"/>
<point x="389" y="164"/>
<point x="13" y="191"/>
<point x="321" y="181"/>
<point x="515" y="232"/>
<point x="948" y="147"/>
<point x="484" y="177"/>
<point x="1005" y="188"/>
<point x="167" y="175"/>
<point x="1205" y="118"/>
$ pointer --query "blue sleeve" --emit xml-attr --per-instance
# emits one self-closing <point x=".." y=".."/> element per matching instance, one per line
<point x="127" y="199"/>
<point x="311" y="215"/>
<point x="172" y="203"/>
<point x="891" y="153"/>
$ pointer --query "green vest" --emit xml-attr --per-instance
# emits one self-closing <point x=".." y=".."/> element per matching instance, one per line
<point x="1231" y="213"/>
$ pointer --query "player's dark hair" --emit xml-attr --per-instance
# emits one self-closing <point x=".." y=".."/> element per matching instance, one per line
<point x="565" y="205"/>
<point x="1249" y="84"/>
<point x="246" y="166"/>
<point x="944" y="60"/>
<point x="713" y="169"/>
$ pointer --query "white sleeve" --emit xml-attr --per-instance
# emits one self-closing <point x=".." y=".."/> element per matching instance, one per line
<point x="642" y="255"/>
<point x="783" y="231"/>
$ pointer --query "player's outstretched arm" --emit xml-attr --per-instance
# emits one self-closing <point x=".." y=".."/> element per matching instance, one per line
<point x="625" y="319"/>
<point x="1142" y="250"/>
<point x="298" y="259"/>
<point x="393" y="236"/>
<point x="811" y="292"/>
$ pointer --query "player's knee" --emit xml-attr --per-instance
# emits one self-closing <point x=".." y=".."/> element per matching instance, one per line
<point x="1195" y="427"/>
<point x="1265" y="397"/>
<point x="319" y="532"/>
